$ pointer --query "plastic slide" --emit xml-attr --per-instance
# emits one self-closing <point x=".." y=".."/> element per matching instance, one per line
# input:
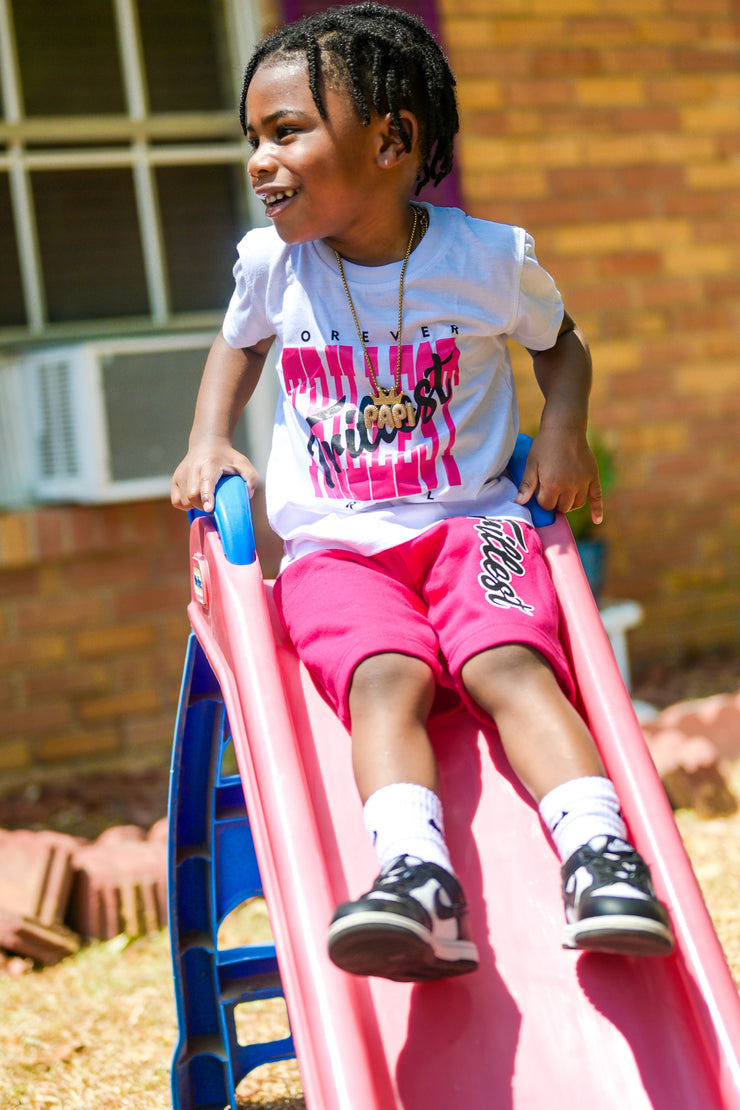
<point x="536" y="1026"/>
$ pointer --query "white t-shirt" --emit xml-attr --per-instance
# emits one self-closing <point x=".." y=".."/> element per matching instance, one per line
<point x="330" y="481"/>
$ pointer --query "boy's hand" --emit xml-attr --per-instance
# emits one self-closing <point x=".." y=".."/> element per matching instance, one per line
<point x="194" y="481"/>
<point x="562" y="473"/>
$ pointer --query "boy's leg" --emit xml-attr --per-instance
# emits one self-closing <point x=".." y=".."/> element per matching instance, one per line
<point x="412" y="924"/>
<point x="380" y="676"/>
<point x="610" y="901"/>
<point x="389" y="701"/>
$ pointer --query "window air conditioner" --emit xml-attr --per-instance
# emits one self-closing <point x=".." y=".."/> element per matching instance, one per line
<point x="109" y="420"/>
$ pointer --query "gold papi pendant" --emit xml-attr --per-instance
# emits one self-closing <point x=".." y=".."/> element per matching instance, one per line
<point x="389" y="410"/>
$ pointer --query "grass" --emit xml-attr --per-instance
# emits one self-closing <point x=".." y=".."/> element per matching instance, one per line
<point x="97" y="1031"/>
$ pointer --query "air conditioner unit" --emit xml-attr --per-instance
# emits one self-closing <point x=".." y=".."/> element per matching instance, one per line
<point x="109" y="420"/>
<point x="15" y="456"/>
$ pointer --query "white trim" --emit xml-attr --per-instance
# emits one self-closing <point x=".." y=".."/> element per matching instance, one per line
<point x="129" y="38"/>
<point x="152" y="240"/>
<point x="100" y="158"/>
<point x="29" y="254"/>
<point x="9" y="75"/>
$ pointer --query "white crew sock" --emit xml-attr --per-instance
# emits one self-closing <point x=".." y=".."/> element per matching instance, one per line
<point x="404" y="819"/>
<point x="579" y="810"/>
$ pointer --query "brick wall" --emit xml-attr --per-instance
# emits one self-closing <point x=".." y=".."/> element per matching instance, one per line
<point x="614" y="139"/>
<point x="612" y="132"/>
<point x="93" y="628"/>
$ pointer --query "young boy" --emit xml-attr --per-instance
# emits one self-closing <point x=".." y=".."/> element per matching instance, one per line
<point x="410" y="559"/>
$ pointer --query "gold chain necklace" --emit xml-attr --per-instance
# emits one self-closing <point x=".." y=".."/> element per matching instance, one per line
<point x="390" y="407"/>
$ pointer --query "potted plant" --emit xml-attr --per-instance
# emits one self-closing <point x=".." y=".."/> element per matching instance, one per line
<point x="592" y="548"/>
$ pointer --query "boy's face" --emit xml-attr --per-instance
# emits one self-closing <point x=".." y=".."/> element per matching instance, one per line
<point x="318" y="178"/>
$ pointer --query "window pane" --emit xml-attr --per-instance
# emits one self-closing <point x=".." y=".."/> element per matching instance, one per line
<point x="68" y="56"/>
<point x="11" y="297"/>
<point x="203" y="217"/>
<point x="90" y="247"/>
<point x="185" y="56"/>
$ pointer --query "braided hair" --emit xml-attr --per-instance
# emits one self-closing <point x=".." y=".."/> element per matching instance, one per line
<point x="387" y="61"/>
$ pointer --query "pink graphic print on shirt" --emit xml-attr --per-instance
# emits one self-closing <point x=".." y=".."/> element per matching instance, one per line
<point x="346" y="460"/>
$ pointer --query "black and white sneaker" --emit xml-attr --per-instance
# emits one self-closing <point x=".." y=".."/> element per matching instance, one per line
<point x="410" y="927"/>
<point x="610" y="902"/>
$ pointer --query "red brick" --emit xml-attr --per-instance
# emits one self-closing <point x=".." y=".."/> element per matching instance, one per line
<point x="39" y="614"/>
<point x="43" y="943"/>
<point x="600" y="33"/>
<point x="33" y="650"/>
<point x="114" y="640"/>
<point x="700" y="59"/>
<point x="36" y="874"/>
<point x="555" y="62"/>
<point x="121" y="704"/>
<point x="667" y="179"/>
<point x="647" y="118"/>
<point x="119" y="887"/>
<point x="690" y="773"/>
<point x="34" y="718"/>
<point x="52" y="532"/>
<point x="631" y="263"/>
<point x="583" y="180"/>
<point x="542" y="93"/>
<point x="637" y="59"/>
<point x="107" y="570"/>
<point x="66" y="746"/>
<point x="153" y="733"/>
<point x="79" y="678"/>
<point x="16" y="583"/>
<point x="152" y="599"/>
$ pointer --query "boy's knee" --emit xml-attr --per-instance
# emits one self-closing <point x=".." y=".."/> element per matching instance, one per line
<point x="392" y="679"/>
<point x="502" y="671"/>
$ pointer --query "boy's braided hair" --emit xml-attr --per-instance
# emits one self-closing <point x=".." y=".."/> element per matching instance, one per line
<point x="388" y="61"/>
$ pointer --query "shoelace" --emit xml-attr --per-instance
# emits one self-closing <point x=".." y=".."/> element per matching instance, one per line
<point x="402" y="879"/>
<point x="630" y="867"/>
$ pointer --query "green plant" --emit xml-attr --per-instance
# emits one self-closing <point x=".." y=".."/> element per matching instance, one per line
<point x="580" y="521"/>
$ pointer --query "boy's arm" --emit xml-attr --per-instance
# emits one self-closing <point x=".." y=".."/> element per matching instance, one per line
<point x="561" y="470"/>
<point x="229" y="380"/>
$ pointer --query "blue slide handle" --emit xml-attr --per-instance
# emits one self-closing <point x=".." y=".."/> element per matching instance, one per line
<point x="517" y="462"/>
<point x="233" y="518"/>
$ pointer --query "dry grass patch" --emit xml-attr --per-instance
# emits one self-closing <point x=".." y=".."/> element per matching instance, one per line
<point x="97" y="1031"/>
<point x="714" y="849"/>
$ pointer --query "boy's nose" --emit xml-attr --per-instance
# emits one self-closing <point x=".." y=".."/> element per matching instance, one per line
<point x="261" y="161"/>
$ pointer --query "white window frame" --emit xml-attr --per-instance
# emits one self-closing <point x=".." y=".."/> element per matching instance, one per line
<point x="203" y="138"/>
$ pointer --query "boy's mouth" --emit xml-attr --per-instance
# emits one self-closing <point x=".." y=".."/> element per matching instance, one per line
<point x="274" y="201"/>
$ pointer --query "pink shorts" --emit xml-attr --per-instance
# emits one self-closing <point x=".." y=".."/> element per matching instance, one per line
<point x="462" y="586"/>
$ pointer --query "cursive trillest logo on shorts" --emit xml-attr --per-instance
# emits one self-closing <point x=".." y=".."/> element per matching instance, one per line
<point x="503" y="548"/>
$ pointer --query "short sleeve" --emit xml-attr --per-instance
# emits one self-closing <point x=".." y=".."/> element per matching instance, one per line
<point x="539" y="309"/>
<point x="245" y="322"/>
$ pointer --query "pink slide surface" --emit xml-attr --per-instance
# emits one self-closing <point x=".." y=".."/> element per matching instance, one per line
<point x="536" y="1026"/>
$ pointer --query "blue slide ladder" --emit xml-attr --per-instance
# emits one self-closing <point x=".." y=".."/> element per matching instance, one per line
<point x="212" y="869"/>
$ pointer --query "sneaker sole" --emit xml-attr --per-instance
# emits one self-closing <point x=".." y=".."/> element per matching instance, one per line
<point x="621" y="935"/>
<point x="396" y="948"/>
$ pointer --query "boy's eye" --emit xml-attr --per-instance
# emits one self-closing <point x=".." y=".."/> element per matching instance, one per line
<point x="253" y="141"/>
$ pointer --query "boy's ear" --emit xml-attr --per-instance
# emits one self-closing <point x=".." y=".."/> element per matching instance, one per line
<point x="390" y="145"/>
